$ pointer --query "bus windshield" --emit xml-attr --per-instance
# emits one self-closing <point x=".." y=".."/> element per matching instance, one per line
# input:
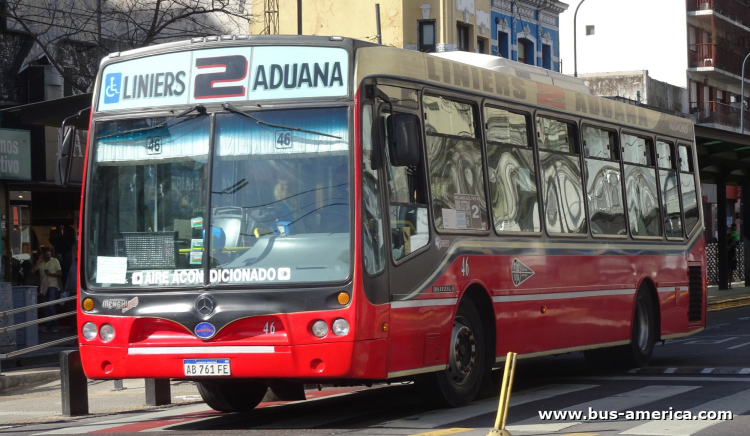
<point x="279" y="201"/>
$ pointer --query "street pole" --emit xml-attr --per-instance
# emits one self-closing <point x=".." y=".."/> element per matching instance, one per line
<point x="377" y="23"/>
<point x="742" y="96"/>
<point x="575" y="46"/>
<point x="299" y="17"/>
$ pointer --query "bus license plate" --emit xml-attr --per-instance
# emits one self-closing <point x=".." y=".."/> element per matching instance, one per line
<point x="206" y="367"/>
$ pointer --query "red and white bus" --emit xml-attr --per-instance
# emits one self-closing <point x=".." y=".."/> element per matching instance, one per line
<point x="266" y="210"/>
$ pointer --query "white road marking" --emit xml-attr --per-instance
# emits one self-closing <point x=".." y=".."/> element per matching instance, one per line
<point x="662" y="378"/>
<point x="707" y="370"/>
<point x="442" y="417"/>
<point x="541" y="428"/>
<point x="745" y="371"/>
<point x="738" y="404"/>
<point x="670" y="370"/>
<point x="738" y="346"/>
<point x="623" y="401"/>
<point x="709" y="341"/>
<point x="744" y="318"/>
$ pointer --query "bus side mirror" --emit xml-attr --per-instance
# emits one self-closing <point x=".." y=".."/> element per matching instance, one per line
<point x="65" y="146"/>
<point x="404" y="144"/>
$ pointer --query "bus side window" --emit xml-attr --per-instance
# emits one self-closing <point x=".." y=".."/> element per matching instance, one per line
<point x="687" y="183"/>
<point x="407" y="197"/>
<point x="640" y="186"/>
<point x="372" y="225"/>
<point x="454" y="154"/>
<point x="562" y="184"/>
<point x="670" y="198"/>
<point x="512" y="171"/>
<point x="604" y="182"/>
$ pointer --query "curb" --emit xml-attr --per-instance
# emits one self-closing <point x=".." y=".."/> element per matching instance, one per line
<point x="727" y="304"/>
<point x="22" y="379"/>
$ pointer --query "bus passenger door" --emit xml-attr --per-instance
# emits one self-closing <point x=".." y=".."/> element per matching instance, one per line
<point x="415" y="341"/>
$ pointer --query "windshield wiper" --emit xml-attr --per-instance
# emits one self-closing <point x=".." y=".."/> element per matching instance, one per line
<point x="233" y="109"/>
<point x="198" y="107"/>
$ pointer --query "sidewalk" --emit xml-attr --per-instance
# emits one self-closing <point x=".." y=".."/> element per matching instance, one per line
<point x="44" y="403"/>
<point x="736" y="297"/>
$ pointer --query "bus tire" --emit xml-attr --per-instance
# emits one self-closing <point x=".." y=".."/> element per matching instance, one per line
<point x="642" y="339"/>
<point x="459" y="384"/>
<point x="232" y="395"/>
<point x="644" y="331"/>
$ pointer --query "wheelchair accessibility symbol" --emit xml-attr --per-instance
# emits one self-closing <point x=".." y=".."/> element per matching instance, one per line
<point x="112" y="88"/>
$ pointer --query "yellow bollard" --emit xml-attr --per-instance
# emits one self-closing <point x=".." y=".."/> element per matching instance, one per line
<point x="507" y="385"/>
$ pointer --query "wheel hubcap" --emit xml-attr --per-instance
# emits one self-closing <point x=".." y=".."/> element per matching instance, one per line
<point x="463" y="352"/>
<point x="641" y="322"/>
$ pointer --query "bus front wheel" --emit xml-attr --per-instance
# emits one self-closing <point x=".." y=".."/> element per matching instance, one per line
<point x="458" y="384"/>
<point x="232" y="395"/>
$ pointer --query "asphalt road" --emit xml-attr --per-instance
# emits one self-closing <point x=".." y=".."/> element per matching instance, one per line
<point x="705" y="372"/>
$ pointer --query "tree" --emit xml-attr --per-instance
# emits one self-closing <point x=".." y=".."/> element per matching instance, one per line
<point x="74" y="35"/>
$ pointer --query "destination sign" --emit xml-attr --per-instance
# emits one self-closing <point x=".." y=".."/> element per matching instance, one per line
<point x="225" y="74"/>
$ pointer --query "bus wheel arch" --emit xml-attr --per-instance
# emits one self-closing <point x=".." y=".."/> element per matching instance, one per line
<point x="468" y="367"/>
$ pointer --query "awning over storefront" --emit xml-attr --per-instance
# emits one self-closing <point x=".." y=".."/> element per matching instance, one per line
<point x="722" y="153"/>
<point x="53" y="112"/>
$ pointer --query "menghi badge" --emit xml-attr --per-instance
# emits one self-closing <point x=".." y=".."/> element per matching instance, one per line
<point x="520" y="272"/>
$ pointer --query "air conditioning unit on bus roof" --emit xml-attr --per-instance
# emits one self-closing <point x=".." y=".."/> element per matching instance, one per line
<point x="513" y="68"/>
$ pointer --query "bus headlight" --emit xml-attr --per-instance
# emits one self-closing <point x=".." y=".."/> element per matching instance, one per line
<point x="319" y="328"/>
<point x="340" y="327"/>
<point x="89" y="330"/>
<point x="107" y="333"/>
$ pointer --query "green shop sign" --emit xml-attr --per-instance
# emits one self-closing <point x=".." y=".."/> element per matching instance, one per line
<point x="15" y="154"/>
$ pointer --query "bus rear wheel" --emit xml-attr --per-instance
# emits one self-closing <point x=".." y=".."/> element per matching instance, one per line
<point x="643" y="336"/>
<point x="459" y="384"/>
<point x="644" y="331"/>
<point x="232" y="395"/>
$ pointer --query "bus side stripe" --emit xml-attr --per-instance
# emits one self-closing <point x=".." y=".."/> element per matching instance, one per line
<point x="562" y="295"/>
<point x="424" y="303"/>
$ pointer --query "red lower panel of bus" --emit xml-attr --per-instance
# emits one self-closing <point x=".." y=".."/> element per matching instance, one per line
<point x="360" y="359"/>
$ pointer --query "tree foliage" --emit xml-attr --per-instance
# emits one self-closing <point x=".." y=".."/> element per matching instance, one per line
<point x="74" y="35"/>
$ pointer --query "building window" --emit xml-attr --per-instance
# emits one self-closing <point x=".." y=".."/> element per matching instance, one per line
<point x="547" y="56"/>
<point x="589" y="30"/>
<point x="525" y="51"/>
<point x="502" y="45"/>
<point x="462" y="37"/>
<point x="427" y="36"/>
<point x="481" y="45"/>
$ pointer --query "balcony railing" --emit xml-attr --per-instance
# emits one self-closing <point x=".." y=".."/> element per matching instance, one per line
<point x="735" y="10"/>
<point x="714" y="112"/>
<point x="712" y="55"/>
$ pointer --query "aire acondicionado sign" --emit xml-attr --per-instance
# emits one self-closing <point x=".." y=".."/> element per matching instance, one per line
<point x="225" y="74"/>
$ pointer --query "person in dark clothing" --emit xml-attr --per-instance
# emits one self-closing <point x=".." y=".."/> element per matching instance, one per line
<point x="733" y="240"/>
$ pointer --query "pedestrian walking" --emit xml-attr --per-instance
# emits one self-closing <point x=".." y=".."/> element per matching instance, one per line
<point x="50" y="272"/>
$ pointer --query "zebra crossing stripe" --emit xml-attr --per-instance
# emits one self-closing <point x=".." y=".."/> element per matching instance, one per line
<point x="439" y="418"/>
<point x="622" y="401"/>
<point x="738" y="404"/>
<point x="447" y="431"/>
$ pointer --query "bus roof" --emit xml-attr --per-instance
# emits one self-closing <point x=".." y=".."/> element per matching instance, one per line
<point x="505" y="81"/>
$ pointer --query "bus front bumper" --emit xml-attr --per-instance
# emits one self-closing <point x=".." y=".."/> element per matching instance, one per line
<point x="340" y="360"/>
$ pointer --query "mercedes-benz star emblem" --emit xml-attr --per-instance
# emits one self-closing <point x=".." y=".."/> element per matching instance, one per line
<point x="204" y="305"/>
